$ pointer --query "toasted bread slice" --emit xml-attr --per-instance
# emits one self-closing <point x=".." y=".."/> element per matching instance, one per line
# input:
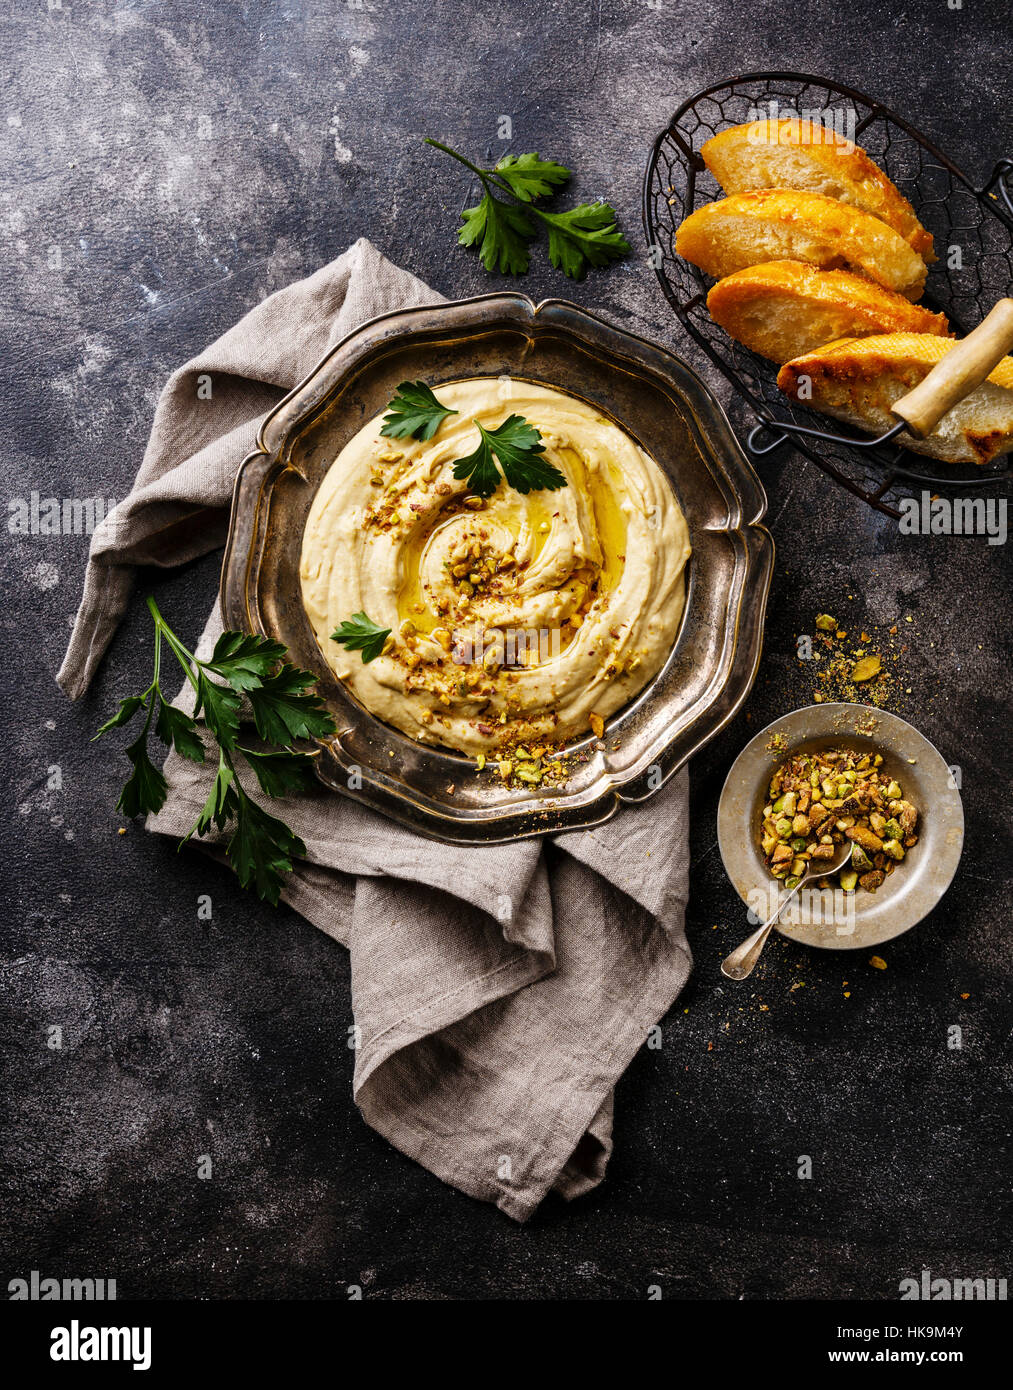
<point x="859" y="379"/>
<point x="777" y="224"/>
<point x="784" y="308"/>
<point x="801" y="154"/>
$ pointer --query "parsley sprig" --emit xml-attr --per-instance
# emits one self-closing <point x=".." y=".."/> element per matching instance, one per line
<point x="261" y="847"/>
<point x="579" y="238"/>
<point x="517" y="446"/>
<point x="414" y="412"/>
<point x="360" y="634"/>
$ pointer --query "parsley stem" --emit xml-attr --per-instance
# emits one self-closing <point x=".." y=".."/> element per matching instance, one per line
<point x="546" y="217"/>
<point x="224" y="758"/>
<point x="489" y="177"/>
<point x="156" y="695"/>
<point x="482" y="173"/>
<point x="154" y="690"/>
<point x="158" y="659"/>
<point x="184" y="657"/>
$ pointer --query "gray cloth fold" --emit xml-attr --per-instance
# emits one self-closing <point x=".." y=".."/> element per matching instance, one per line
<point x="498" y="992"/>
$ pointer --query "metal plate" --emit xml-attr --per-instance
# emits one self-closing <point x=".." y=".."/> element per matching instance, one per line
<point x="915" y="886"/>
<point x="653" y="396"/>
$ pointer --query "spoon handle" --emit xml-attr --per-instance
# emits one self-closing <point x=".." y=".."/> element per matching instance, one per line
<point x="958" y="373"/>
<point x="742" y="960"/>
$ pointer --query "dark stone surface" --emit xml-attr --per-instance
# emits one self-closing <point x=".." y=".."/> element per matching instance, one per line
<point x="187" y="159"/>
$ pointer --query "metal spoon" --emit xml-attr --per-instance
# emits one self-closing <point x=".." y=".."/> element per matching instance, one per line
<point x="743" y="959"/>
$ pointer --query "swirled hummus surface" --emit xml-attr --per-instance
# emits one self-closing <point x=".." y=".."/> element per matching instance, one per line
<point x="512" y="619"/>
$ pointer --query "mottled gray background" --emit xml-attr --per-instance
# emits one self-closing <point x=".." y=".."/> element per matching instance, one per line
<point x="187" y="159"/>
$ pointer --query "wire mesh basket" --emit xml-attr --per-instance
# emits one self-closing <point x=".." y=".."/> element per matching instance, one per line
<point x="973" y="230"/>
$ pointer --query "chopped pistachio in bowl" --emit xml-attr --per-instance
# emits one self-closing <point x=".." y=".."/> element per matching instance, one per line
<point x="820" y="799"/>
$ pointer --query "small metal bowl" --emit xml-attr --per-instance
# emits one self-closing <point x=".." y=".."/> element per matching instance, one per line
<point x="656" y="399"/>
<point x="914" y="887"/>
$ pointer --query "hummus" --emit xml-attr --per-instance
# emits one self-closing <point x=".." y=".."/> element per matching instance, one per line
<point x="513" y="619"/>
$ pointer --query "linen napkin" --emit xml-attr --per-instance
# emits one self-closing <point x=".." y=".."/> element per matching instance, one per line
<point x="498" y="992"/>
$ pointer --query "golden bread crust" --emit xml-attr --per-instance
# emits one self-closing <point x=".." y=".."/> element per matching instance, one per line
<point x="859" y="379"/>
<point x="782" y="309"/>
<point x="780" y="224"/>
<point x="892" y="352"/>
<point x="802" y="154"/>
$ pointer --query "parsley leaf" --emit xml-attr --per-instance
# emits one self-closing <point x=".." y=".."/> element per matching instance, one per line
<point x="360" y="634"/>
<point x="529" y="176"/>
<point x="222" y="804"/>
<point x="501" y="232"/>
<point x="262" y="849"/>
<point x="283" y="712"/>
<point x="221" y="708"/>
<point x="177" y="728"/>
<point x="128" y="708"/>
<point x="243" y="660"/>
<point x="414" y="412"/>
<point x="517" y="446"/>
<point x="146" y="788"/>
<point x="584" y="236"/>
<point x="281" y="771"/>
<point x="479" y="468"/>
